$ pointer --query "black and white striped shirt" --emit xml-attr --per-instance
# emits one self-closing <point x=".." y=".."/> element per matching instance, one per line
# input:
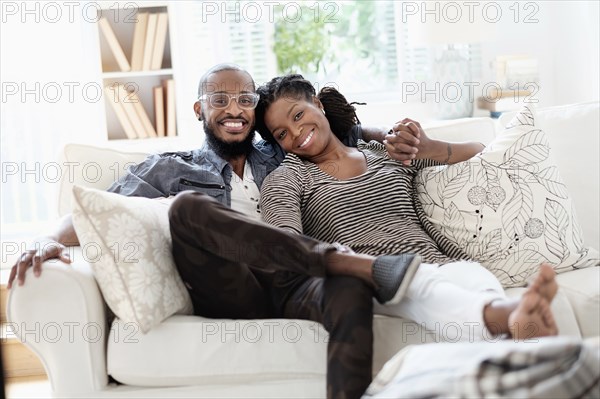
<point x="376" y="213"/>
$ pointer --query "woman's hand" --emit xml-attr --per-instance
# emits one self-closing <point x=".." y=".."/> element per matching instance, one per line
<point x="407" y="141"/>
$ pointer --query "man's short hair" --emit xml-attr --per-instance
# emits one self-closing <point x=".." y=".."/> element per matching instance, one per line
<point x="202" y="86"/>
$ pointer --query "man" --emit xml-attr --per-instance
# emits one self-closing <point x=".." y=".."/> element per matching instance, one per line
<point x="286" y="276"/>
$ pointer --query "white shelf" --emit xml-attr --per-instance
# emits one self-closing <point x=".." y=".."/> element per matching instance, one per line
<point x="121" y="16"/>
<point x="137" y="74"/>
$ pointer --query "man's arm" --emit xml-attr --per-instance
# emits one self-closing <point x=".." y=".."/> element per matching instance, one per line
<point x="146" y="179"/>
<point x="370" y="133"/>
<point x="44" y="248"/>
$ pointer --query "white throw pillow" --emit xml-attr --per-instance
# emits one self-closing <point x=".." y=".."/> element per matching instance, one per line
<point x="128" y="243"/>
<point x="507" y="207"/>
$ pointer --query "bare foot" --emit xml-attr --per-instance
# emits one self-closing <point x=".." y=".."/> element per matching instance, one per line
<point x="532" y="317"/>
<point x="545" y="282"/>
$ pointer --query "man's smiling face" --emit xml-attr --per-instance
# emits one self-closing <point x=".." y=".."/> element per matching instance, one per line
<point x="229" y="130"/>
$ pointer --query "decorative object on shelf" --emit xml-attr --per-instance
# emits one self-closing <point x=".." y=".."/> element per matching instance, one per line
<point x="504" y="100"/>
<point x="451" y="71"/>
<point x="517" y="79"/>
<point x="517" y="72"/>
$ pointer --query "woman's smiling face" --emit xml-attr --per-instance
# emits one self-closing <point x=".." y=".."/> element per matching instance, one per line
<point x="298" y="125"/>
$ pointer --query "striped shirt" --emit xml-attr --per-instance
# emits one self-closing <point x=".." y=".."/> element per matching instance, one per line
<point x="375" y="213"/>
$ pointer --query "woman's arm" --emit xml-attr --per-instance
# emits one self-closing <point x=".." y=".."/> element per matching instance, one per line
<point x="403" y="149"/>
<point x="409" y="131"/>
<point x="280" y="199"/>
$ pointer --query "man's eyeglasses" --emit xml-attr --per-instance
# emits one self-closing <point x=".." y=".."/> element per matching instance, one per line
<point x="222" y="100"/>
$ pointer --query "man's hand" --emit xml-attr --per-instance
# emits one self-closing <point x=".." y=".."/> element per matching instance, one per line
<point x="407" y="141"/>
<point x="49" y="249"/>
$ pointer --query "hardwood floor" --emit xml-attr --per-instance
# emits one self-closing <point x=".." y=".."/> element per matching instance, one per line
<point x="24" y="374"/>
<point x="27" y="387"/>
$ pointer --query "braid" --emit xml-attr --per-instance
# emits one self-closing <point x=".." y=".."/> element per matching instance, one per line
<point x="340" y="114"/>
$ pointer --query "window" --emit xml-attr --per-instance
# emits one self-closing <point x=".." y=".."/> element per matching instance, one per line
<point x="360" y="46"/>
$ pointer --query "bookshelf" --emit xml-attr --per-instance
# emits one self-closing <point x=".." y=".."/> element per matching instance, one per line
<point x="135" y="49"/>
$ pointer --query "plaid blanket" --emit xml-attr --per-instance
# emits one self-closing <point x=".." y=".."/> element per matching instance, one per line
<point x="554" y="367"/>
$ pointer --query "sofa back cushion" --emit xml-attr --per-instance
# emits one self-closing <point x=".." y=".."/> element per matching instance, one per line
<point x="92" y="167"/>
<point x="482" y="130"/>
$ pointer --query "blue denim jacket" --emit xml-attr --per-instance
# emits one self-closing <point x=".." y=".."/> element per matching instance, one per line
<point x="166" y="174"/>
<point x="163" y="175"/>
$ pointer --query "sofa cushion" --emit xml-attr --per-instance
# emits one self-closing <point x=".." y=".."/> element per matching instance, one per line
<point x="573" y="133"/>
<point x="192" y="350"/>
<point x="128" y="243"/>
<point x="507" y="207"/>
<point x="581" y="288"/>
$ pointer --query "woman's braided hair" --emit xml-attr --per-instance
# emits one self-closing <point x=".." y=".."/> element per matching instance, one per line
<point x="340" y="114"/>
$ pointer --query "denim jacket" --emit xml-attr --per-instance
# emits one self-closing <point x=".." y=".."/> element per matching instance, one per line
<point x="166" y="174"/>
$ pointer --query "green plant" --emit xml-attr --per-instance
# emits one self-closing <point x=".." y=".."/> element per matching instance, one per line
<point x="300" y="46"/>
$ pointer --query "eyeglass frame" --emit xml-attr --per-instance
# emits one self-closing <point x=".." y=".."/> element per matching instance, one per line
<point x="207" y="96"/>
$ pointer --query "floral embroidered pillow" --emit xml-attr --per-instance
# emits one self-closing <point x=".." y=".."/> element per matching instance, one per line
<point x="128" y="244"/>
<point x="507" y="207"/>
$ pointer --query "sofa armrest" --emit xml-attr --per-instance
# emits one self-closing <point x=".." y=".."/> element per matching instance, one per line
<point x="61" y="317"/>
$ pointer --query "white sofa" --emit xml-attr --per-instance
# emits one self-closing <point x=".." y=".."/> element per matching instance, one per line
<point x="62" y="316"/>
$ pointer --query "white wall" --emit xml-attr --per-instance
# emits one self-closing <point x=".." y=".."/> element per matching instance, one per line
<point x="566" y="43"/>
<point x="565" y="40"/>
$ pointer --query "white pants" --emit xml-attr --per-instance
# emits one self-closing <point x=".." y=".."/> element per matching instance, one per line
<point x="449" y="300"/>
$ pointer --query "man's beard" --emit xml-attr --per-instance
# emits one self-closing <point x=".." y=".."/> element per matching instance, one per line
<point x="228" y="150"/>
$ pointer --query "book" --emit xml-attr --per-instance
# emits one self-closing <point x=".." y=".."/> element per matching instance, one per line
<point x="494" y="93"/>
<point x="159" y="110"/>
<point x="519" y="70"/>
<point x="113" y="44"/>
<point x="149" y="41"/>
<point x="114" y="95"/>
<point x="139" y="41"/>
<point x="169" y="91"/>
<point x="159" y="41"/>
<point x="145" y="129"/>
<point x="128" y="103"/>
<point x="504" y="104"/>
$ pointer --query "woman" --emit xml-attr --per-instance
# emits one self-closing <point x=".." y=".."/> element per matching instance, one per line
<point x="321" y="180"/>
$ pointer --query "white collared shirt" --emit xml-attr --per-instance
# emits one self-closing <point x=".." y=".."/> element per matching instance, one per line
<point x="245" y="196"/>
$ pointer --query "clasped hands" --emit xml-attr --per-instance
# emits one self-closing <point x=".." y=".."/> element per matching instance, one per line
<point x="407" y="141"/>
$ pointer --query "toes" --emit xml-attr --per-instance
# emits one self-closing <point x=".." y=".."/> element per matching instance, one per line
<point x="530" y="301"/>
<point x="547" y="271"/>
<point x="545" y="310"/>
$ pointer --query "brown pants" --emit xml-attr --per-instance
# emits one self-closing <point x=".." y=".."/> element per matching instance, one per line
<point x="235" y="267"/>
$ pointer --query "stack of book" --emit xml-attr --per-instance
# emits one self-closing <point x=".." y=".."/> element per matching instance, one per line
<point x="164" y="108"/>
<point x="504" y="100"/>
<point x="147" y="52"/>
<point x="149" y="40"/>
<point x="133" y="117"/>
